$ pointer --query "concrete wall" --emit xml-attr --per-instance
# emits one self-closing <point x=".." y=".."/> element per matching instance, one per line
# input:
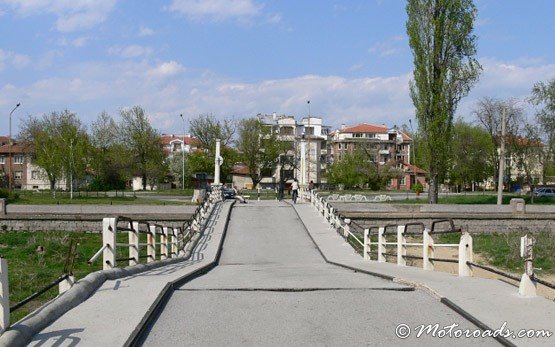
<point x="478" y="218"/>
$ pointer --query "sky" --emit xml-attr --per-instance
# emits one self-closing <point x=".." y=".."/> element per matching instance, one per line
<point x="238" y="58"/>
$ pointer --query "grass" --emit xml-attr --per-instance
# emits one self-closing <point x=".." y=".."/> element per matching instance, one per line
<point x="502" y="250"/>
<point x="478" y="199"/>
<point x="30" y="269"/>
<point x="88" y="198"/>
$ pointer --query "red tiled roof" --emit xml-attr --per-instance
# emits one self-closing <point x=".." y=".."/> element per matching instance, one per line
<point x="405" y="137"/>
<point x="414" y="168"/>
<point x="365" y="128"/>
<point x="16" y="148"/>
<point x="167" y="139"/>
<point x="240" y="169"/>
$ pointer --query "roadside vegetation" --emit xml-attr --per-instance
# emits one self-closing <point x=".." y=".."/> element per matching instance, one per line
<point x="98" y="198"/>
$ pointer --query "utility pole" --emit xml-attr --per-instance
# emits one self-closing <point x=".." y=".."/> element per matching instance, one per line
<point x="218" y="162"/>
<point x="10" y="150"/>
<point x="308" y="143"/>
<point x="501" y="157"/>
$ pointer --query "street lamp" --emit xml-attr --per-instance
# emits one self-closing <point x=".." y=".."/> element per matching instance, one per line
<point x="183" y="152"/>
<point x="10" y="150"/>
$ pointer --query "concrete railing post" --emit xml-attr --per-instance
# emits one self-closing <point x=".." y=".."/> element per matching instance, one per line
<point x="133" y="243"/>
<point x="174" y="244"/>
<point x="347" y="228"/>
<point x="164" y="243"/>
<point x="465" y="255"/>
<point x="527" y="286"/>
<point x="381" y="244"/>
<point x="427" y="250"/>
<point x="2" y="207"/>
<point x="401" y="245"/>
<point x="367" y="247"/>
<point x="4" y="296"/>
<point x="151" y="244"/>
<point x="109" y="229"/>
<point x="66" y="284"/>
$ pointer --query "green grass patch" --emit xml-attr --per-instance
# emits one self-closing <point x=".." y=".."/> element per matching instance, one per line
<point x="502" y="250"/>
<point x="89" y="198"/>
<point x="30" y="269"/>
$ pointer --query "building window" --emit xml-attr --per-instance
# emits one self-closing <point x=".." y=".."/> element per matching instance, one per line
<point x="403" y="182"/>
<point x="339" y="146"/>
<point x="2" y="159"/>
<point x="35" y="174"/>
<point x="18" y="159"/>
<point x="18" y="175"/>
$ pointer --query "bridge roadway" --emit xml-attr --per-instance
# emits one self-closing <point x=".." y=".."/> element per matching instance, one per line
<point x="275" y="283"/>
<point x="273" y="287"/>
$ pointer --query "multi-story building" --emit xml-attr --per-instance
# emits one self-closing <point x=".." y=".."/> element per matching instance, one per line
<point x="383" y="145"/>
<point x="24" y="174"/>
<point x="308" y="157"/>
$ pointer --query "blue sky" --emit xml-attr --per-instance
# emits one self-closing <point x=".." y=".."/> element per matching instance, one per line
<point x="243" y="57"/>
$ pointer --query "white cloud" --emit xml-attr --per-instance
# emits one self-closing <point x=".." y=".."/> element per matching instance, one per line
<point x="132" y="51"/>
<point x="12" y="59"/>
<point x="387" y="48"/>
<point x="216" y="10"/>
<point x="71" y="15"/>
<point x="167" y="69"/>
<point x="145" y="31"/>
<point x="161" y="89"/>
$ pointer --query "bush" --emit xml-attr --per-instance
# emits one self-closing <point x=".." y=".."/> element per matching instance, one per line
<point x="417" y="188"/>
<point x="10" y="197"/>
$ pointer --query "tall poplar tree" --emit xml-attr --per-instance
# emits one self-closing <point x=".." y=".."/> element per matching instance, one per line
<point x="443" y="47"/>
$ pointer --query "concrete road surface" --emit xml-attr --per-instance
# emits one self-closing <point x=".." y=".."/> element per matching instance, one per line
<point x="273" y="288"/>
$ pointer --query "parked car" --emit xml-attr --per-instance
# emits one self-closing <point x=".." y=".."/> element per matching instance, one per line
<point x="229" y="193"/>
<point x="547" y="192"/>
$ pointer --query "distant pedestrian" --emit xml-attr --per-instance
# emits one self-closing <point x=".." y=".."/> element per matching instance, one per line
<point x="311" y="185"/>
<point x="281" y="187"/>
<point x="295" y="189"/>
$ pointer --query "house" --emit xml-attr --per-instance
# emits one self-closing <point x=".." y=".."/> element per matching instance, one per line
<point x="173" y="143"/>
<point x="24" y="174"/>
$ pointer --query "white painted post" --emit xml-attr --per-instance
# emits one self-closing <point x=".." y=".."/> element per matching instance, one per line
<point x="66" y="284"/>
<point x="427" y="250"/>
<point x="164" y="244"/>
<point x="527" y="286"/>
<point x="401" y="245"/>
<point x="381" y="245"/>
<point x="367" y="246"/>
<point x="4" y="296"/>
<point x="347" y="228"/>
<point x="151" y="244"/>
<point x="133" y="243"/>
<point x="109" y="229"/>
<point x="465" y="255"/>
<point x="174" y="243"/>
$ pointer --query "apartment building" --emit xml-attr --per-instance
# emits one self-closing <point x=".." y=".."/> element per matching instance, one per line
<point x="308" y="159"/>
<point x="383" y="145"/>
<point x="25" y="175"/>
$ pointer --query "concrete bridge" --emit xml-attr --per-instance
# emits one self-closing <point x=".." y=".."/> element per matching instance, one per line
<point x="273" y="273"/>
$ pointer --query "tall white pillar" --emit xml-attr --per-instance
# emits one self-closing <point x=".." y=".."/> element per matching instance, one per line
<point x="218" y="162"/>
<point x="303" y="164"/>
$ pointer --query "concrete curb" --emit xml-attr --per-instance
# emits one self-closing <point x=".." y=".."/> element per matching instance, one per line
<point x="23" y="331"/>
<point x="430" y="291"/>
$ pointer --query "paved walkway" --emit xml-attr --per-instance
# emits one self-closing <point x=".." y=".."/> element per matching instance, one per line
<point x="272" y="287"/>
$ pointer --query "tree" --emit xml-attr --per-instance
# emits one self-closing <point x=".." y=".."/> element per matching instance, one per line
<point x="111" y="160"/>
<point x="259" y="148"/>
<point x="59" y="145"/>
<point x="488" y="112"/>
<point x="443" y="46"/>
<point x="544" y="94"/>
<point x="472" y="148"/>
<point x="206" y="129"/>
<point x="143" y="143"/>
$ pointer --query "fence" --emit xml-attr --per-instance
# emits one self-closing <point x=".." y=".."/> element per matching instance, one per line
<point x="160" y="243"/>
<point x="375" y="242"/>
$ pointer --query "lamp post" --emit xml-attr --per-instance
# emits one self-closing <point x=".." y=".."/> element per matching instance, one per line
<point x="10" y="150"/>
<point x="183" y="153"/>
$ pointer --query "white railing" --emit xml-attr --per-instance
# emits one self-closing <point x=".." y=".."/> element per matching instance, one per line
<point x="428" y="246"/>
<point x="171" y="243"/>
